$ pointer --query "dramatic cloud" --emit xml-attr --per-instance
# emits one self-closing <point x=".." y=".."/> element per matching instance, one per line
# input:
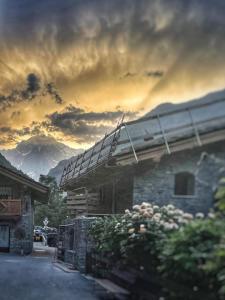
<point x="84" y="126"/>
<point x="101" y="54"/>
<point x="33" y="90"/>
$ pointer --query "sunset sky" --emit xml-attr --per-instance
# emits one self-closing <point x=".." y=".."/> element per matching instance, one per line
<point x="71" y="68"/>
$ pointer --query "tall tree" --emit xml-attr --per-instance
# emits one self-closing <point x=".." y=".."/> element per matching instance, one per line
<point x="55" y="210"/>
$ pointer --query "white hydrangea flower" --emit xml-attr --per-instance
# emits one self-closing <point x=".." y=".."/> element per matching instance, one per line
<point x="142" y="230"/>
<point x="149" y="210"/>
<point x="170" y="213"/>
<point x="117" y="225"/>
<point x="127" y="211"/>
<point x="167" y="226"/>
<point x="174" y="226"/>
<point x="178" y="212"/>
<point x="156" y="208"/>
<point x="182" y="221"/>
<point x="188" y="216"/>
<point x="171" y="207"/>
<point x="158" y="215"/>
<point x="135" y="217"/>
<point x="211" y="215"/>
<point x="146" y="214"/>
<point x="136" y="207"/>
<point x="199" y="215"/>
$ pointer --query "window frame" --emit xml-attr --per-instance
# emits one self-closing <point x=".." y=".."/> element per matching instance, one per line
<point x="194" y="186"/>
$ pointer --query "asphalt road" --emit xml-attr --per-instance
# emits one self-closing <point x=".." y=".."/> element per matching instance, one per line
<point x="36" y="278"/>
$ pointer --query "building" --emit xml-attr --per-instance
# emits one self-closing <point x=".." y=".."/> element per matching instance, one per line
<point x="175" y="154"/>
<point x="17" y="195"/>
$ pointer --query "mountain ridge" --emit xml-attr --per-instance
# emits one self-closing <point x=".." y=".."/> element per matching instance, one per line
<point x="38" y="155"/>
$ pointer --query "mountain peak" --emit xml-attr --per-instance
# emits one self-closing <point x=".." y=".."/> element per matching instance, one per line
<point x="40" y="140"/>
<point x="39" y="154"/>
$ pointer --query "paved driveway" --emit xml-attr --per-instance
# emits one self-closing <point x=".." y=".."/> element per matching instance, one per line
<point x="36" y="278"/>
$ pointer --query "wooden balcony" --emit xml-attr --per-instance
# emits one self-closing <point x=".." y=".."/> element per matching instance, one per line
<point x="10" y="208"/>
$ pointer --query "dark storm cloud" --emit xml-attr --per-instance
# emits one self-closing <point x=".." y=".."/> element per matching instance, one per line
<point x="33" y="129"/>
<point x="73" y="121"/>
<point x="154" y="73"/>
<point x="77" y="114"/>
<point x="162" y="32"/>
<point x="84" y="125"/>
<point x="33" y="89"/>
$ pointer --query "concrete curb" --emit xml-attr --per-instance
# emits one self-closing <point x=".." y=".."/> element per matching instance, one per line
<point x="64" y="268"/>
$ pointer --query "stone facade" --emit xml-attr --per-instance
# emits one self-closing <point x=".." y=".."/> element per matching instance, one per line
<point x="77" y="243"/>
<point x="25" y="222"/>
<point x="155" y="181"/>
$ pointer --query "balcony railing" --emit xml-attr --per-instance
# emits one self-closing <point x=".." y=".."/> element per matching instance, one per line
<point x="10" y="207"/>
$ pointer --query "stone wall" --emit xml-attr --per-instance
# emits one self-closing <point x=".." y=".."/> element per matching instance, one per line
<point x="77" y="230"/>
<point x="26" y="223"/>
<point x="154" y="181"/>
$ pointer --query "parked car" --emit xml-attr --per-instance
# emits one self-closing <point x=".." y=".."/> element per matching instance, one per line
<point x="38" y="234"/>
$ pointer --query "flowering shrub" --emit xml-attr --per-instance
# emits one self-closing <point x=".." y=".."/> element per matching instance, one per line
<point x="135" y="238"/>
<point x="186" y="250"/>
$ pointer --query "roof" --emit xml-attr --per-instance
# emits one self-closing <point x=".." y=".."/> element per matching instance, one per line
<point x="40" y="190"/>
<point x="193" y="123"/>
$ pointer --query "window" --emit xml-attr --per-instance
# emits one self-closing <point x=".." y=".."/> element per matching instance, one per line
<point x="184" y="184"/>
<point x="5" y="192"/>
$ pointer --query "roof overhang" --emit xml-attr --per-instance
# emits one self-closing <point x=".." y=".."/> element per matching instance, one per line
<point x="102" y="175"/>
<point x="39" y="190"/>
<point x="176" y="146"/>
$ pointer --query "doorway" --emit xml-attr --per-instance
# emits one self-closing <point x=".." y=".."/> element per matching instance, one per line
<point x="4" y="238"/>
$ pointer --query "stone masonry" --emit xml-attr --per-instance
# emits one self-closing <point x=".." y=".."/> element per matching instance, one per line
<point x="77" y="242"/>
<point x="154" y="181"/>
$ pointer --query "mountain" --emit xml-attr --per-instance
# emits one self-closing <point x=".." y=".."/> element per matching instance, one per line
<point x="168" y="107"/>
<point x="38" y="155"/>
<point x="58" y="169"/>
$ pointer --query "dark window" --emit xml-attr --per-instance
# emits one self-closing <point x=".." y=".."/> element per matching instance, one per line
<point x="184" y="184"/>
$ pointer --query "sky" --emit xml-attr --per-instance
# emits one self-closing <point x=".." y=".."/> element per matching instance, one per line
<point x="72" y="68"/>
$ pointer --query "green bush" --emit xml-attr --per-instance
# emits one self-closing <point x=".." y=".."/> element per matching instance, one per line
<point x="220" y="197"/>
<point x="194" y="257"/>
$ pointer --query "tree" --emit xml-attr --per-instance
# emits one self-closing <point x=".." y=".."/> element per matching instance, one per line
<point x="55" y="210"/>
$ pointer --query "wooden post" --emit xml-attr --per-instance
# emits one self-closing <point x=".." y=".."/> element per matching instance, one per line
<point x="131" y="143"/>
<point x="195" y="128"/>
<point x="164" y="135"/>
